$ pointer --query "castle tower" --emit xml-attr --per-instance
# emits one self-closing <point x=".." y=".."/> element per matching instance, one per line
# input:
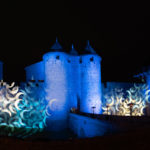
<point x="74" y="75"/>
<point x="56" y="87"/>
<point x="90" y="64"/>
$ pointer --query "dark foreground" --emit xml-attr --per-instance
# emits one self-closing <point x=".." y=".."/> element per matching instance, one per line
<point x="138" y="138"/>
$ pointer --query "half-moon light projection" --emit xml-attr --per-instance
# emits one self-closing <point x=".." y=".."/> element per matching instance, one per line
<point x="130" y="103"/>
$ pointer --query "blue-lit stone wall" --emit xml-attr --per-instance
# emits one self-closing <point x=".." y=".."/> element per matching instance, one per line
<point x="35" y="71"/>
<point x="85" y="127"/>
<point x="56" y="89"/>
<point x="90" y="84"/>
<point x="74" y="81"/>
<point x="1" y="70"/>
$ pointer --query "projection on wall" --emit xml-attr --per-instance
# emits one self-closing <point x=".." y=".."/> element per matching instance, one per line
<point x="22" y="112"/>
<point x="129" y="103"/>
<point x="56" y="89"/>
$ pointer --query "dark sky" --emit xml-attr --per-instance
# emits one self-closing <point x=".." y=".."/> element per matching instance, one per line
<point x="119" y="32"/>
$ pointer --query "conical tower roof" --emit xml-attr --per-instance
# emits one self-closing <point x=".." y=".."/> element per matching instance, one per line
<point x="56" y="47"/>
<point x="89" y="49"/>
<point x="73" y="50"/>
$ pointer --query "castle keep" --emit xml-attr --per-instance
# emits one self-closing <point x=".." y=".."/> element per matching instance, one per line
<point x="71" y="81"/>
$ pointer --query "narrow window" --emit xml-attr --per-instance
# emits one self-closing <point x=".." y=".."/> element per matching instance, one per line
<point x="40" y="80"/>
<point x="32" y="81"/>
<point x="91" y="59"/>
<point x="57" y="57"/>
<point x="80" y="61"/>
<point x="37" y="84"/>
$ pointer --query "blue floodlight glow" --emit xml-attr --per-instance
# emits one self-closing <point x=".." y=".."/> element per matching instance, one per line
<point x="74" y="81"/>
<point x="56" y="89"/>
<point x="91" y="84"/>
<point x="70" y="83"/>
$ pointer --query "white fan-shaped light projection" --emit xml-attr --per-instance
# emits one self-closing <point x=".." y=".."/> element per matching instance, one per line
<point x="130" y="103"/>
<point x="24" y="109"/>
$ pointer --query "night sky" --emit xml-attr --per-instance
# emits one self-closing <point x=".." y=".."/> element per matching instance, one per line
<point x="119" y="32"/>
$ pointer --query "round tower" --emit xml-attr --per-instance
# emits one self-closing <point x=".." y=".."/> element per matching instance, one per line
<point x="90" y="64"/>
<point x="56" y="87"/>
<point x="74" y="75"/>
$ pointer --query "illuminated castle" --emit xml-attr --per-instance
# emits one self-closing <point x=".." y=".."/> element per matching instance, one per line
<point x="71" y="81"/>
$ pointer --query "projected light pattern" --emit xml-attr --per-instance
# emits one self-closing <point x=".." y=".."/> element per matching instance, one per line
<point x="132" y="103"/>
<point x="147" y="97"/>
<point x="57" y="89"/>
<point x="9" y="100"/>
<point x="113" y="100"/>
<point x="33" y="108"/>
<point x="21" y="110"/>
